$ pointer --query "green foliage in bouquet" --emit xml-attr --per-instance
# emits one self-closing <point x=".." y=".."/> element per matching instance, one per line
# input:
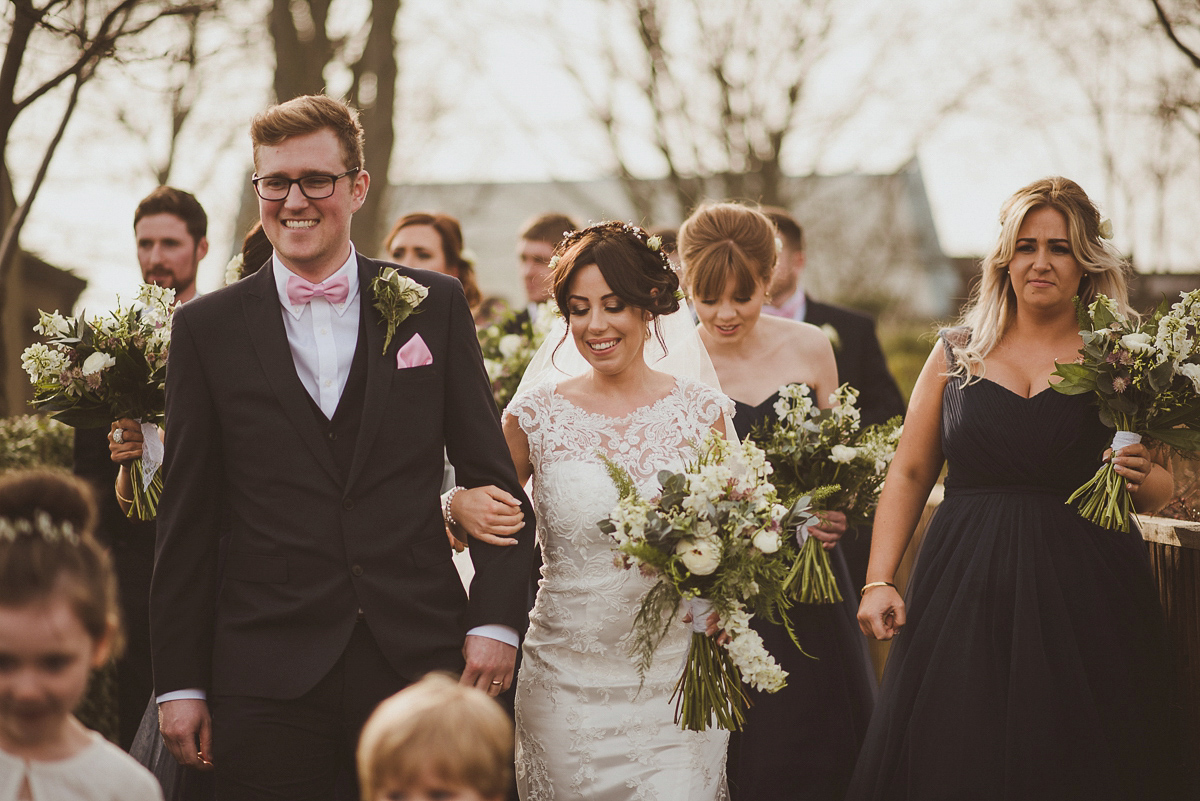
<point x="1145" y="378"/>
<point x="714" y="534"/>
<point x="508" y="346"/>
<point x="823" y="455"/>
<point x="30" y="440"/>
<point x="91" y="371"/>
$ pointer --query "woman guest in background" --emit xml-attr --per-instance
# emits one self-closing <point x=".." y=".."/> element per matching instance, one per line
<point x="1031" y="660"/>
<point x="800" y="743"/>
<point x="431" y="241"/>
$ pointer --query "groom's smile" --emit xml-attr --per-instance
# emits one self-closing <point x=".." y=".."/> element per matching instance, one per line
<point x="311" y="235"/>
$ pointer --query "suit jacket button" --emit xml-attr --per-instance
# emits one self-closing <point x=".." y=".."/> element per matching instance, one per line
<point x="332" y="435"/>
<point x="347" y="504"/>
<point x="357" y="570"/>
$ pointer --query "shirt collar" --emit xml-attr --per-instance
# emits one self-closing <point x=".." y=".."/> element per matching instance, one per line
<point x="348" y="268"/>
<point x="793" y="308"/>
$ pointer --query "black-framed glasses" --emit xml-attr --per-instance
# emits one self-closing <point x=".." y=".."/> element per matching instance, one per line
<point x="313" y="187"/>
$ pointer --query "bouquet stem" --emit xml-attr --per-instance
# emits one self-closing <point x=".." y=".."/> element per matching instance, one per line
<point x="145" y="498"/>
<point x="1104" y="499"/>
<point x="811" y="580"/>
<point x="710" y="686"/>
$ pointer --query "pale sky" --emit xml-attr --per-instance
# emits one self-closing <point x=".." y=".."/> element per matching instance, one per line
<point x="485" y="98"/>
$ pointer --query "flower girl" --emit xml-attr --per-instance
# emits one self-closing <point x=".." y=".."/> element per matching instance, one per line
<point x="58" y="621"/>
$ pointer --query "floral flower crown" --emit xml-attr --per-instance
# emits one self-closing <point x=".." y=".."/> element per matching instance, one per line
<point x="652" y="243"/>
<point x="42" y="525"/>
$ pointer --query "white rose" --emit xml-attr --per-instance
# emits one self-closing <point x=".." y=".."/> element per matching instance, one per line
<point x="1192" y="373"/>
<point x="509" y="344"/>
<point x="767" y="541"/>
<point x="1138" y="342"/>
<point x="842" y="454"/>
<point x="700" y="556"/>
<point x="97" y="362"/>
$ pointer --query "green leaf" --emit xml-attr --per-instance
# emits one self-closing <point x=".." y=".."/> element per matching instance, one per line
<point x="1182" y="439"/>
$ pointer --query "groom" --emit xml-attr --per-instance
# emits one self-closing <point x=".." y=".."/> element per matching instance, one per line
<point x="316" y="452"/>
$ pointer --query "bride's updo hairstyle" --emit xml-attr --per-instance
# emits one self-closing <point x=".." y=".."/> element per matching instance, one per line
<point x="993" y="303"/>
<point x="724" y="240"/>
<point x="632" y="262"/>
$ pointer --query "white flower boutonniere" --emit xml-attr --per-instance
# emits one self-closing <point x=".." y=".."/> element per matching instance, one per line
<point x="396" y="297"/>
<point x="233" y="270"/>
<point x="832" y="335"/>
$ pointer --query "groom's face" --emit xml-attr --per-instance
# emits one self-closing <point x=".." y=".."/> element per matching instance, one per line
<point x="311" y="236"/>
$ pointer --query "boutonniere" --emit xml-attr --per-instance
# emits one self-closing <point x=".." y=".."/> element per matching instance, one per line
<point x="831" y="333"/>
<point x="396" y="297"/>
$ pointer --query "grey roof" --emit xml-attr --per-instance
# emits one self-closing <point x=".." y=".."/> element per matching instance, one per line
<point x="871" y="238"/>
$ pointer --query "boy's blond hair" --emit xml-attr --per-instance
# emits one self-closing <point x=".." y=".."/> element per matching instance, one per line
<point x="437" y="726"/>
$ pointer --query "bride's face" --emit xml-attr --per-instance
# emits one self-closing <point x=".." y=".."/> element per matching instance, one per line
<point x="730" y="318"/>
<point x="608" y="332"/>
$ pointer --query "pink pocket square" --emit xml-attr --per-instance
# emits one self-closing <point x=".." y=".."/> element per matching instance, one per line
<point x="415" y="353"/>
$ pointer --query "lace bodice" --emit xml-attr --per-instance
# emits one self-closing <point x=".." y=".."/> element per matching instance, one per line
<point x="580" y="701"/>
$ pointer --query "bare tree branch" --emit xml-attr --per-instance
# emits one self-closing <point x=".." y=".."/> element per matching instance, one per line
<point x="1169" y="28"/>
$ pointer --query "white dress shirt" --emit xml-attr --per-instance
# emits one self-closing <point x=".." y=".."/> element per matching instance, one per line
<point x="322" y="337"/>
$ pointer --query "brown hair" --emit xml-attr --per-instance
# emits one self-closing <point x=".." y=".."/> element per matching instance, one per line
<point x="723" y="240"/>
<point x="308" y="114"/>
<point x="256" y="249"/>
<point x="47" y="546"/>
<point x="550" y="227"/>
<point x="169" y="200"/>
<point x="457" y="733"/>
<point x="789" y="230"/>
<point x="450" y="233"/>
<point x="639" y="275"/>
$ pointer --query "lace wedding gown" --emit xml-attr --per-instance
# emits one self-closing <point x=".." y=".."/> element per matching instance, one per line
<point x="586" y="726"/>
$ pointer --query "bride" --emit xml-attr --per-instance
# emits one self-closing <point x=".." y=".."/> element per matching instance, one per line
<point x="587" y="727"/>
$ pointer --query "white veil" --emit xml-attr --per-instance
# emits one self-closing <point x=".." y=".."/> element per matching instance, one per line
<point x="684" y="355"/>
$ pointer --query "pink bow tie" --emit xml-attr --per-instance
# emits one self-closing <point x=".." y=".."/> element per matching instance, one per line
<point x="300" y="292"/>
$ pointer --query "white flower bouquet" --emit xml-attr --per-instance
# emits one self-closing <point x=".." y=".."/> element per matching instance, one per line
<point x="1146" y="380"/>
<point x="508" y="346"/>
<point x="714" y="540"/>
<point x="92" y="371"/>
<point x="822" y="458"/>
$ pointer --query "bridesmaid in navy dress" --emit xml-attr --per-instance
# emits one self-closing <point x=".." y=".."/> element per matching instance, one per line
<point x="1030" y="658"/>
<point x="800" y="743"/>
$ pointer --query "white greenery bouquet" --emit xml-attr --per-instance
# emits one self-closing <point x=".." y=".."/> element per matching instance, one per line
<point x="92" y="371"/>
<point x="822" y="458"/>
<point x="714" y="540"/>
<point x="1145" y="377"/>
<point x="508" y="346"/>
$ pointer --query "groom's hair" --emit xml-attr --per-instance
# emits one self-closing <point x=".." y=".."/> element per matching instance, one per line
<point x="436" y="726"/>
<point x="308" y="114"/>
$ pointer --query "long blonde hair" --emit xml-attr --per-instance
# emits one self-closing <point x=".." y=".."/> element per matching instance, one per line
<point x="992" y="305"/>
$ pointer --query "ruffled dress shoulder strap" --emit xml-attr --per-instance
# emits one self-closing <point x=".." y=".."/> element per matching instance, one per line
<point x="957" y="337"/>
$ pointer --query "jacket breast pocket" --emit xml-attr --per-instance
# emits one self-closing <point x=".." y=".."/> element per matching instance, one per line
<point x="257" y="568"/>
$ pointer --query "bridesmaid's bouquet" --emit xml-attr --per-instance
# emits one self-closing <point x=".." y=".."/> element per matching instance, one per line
<point x="823" y="458"/>
<point x="89" y="372"/>
<point x="1146" y="380"/>
<point x="714" y="540"/>
<point x="508" y="346"/>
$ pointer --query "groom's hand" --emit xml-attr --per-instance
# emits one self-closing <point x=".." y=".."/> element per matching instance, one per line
<point x="187" y="732"/>
<point x="490" y="664"/>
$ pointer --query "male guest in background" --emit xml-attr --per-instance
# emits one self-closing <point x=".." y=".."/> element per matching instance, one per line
<point x="537" y="241"/>
<point x="322" y="441"/>
<point x="170" y="227"/>
<point x="860" y="360"/>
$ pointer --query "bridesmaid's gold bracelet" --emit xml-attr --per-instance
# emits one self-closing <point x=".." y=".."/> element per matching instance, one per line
<point x="117" y="492"/>
<point x="876" y="584"/>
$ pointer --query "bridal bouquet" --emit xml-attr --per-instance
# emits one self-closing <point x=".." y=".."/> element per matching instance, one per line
<point x="508" y="345"/>
<point x="822" y="457"/>
<point x="92" y="371"/>
<point x="1146" y="380"/>
<point x="714" y="540"/>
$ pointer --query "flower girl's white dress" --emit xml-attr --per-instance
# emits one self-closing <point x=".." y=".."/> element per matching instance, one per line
<point x="586" y="726"/>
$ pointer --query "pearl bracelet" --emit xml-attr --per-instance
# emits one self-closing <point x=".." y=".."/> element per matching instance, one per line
<point x="446" y="501"/>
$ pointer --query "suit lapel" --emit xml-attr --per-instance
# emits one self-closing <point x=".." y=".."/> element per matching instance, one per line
<point x="264" y="318"/>
<point x="380" y="368"/>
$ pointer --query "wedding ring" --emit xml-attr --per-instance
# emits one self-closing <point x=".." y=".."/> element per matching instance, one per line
<point x="497" y="682"/>
<point x="118" y="435"/>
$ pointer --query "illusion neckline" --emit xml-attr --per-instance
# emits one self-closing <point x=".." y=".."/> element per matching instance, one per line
<point x="649" y="407"/>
